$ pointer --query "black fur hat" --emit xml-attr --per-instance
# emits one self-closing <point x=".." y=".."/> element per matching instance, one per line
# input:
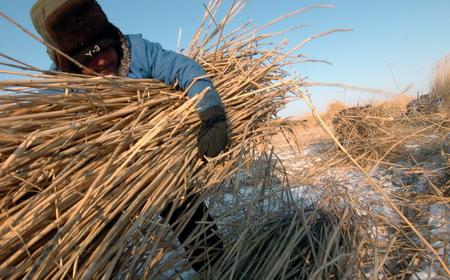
<point x="78" y="28"/>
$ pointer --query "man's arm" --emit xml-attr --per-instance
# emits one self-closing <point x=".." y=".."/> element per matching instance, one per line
<point x="168" y="66"/>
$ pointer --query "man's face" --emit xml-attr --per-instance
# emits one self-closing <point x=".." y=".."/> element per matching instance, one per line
<point x="106" y="62"/>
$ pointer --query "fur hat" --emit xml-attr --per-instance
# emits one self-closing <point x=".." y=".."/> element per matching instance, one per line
<point x="79" y="28"/>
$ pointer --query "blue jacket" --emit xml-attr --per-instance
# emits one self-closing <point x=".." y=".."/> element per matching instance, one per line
<point x="150" y="60"/>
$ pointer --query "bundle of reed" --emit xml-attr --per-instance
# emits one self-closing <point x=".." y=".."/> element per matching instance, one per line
<point x="303" y="244"/>
<point x="82" y="172"/>
<point x="368" y="132"/>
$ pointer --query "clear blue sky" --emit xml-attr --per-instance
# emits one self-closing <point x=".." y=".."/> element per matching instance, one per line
<point x="401" y="39"/>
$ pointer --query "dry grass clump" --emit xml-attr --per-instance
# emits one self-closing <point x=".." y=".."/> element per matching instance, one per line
<point x="381" y="131"/>
<point x="367" y="131"/>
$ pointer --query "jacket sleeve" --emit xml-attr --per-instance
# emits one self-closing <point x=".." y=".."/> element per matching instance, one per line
<point x="169" y="66"/>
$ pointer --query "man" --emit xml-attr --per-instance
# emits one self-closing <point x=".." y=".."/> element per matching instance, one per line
<point x="80" y="29"/>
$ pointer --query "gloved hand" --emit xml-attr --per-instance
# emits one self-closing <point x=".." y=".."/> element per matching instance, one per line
<point x="213" y="135"/>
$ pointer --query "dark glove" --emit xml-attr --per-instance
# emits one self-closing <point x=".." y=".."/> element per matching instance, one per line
<point x="213" y="135"/>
